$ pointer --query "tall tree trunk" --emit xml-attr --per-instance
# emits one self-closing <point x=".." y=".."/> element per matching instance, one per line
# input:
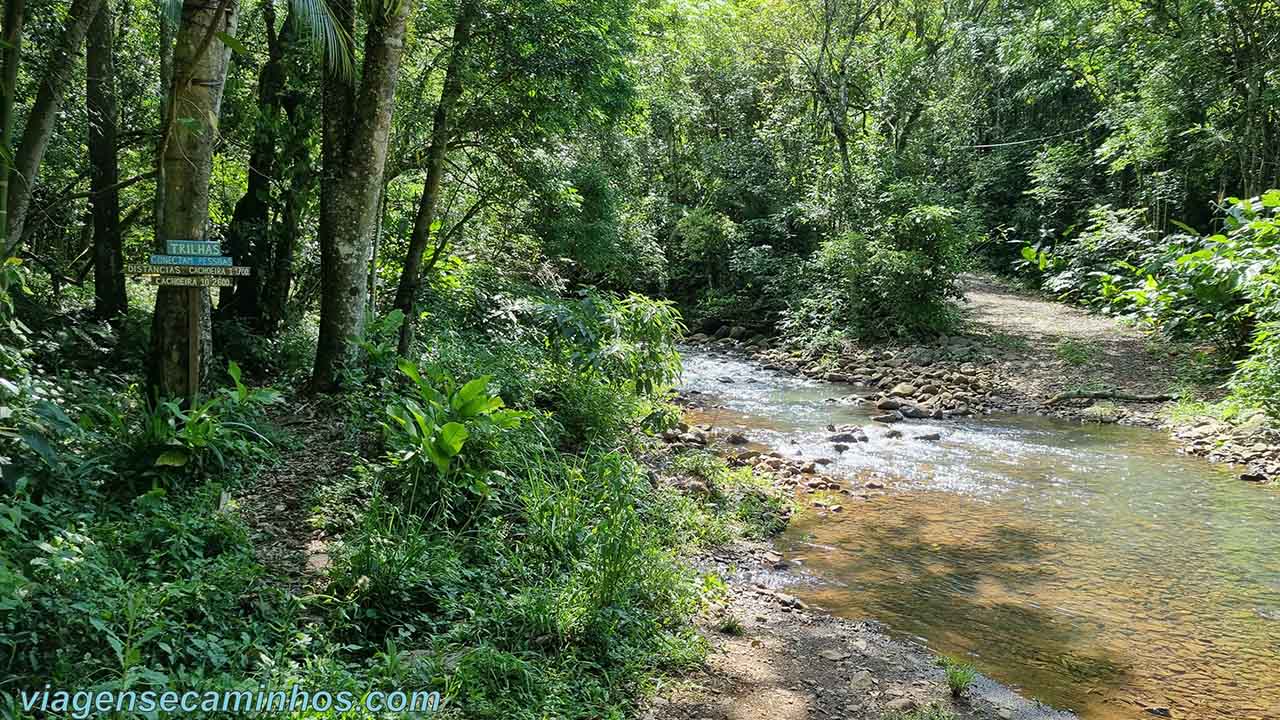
<point x="440" y="136"/>
<point x="249" y="236"/>
<point x="166" y="83"/>
<point x="296" y="170"/>
<point x="357" y="126"/>
<point x="200" y="70"/>
<point x="109" y="297"/>
<point x="12" y="52"/>
<point x="35" y="136"/>
<point x="278" y="277"/>
<point x="279" y="159"/>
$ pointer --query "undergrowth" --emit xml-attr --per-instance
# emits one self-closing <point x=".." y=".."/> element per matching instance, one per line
<point x="498" y="541"/>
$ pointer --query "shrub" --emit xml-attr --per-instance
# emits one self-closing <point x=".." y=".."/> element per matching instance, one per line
<point x="1078" y="268"/>
<point x="432" y="478"/>
<point x="705" y="239"/>
<point x="894" y="280"/>
<point x="1256" y="381"/>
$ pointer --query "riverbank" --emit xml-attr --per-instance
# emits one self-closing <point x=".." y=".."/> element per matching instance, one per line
<point x="773" y="656"/>
<point x="1020" y="353"/>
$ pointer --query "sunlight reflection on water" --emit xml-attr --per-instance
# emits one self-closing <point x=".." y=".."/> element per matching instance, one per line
<point x="1092" y="566"/>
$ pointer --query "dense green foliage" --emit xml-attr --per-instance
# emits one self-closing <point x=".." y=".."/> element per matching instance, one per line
<point x="1221" y="290"/>
<point x="499" y="542"/>
<point x="823" y="171"/>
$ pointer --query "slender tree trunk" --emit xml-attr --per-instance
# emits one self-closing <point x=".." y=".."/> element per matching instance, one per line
<point x="11" y="53"/>
<point x="166" y="85"/>
<point x="410" y="276"/>
<point x="279" y="276"/>
<point x="278" y="159"/>
<point x="296" y="167"/>
<point x="200" y="70"/>
<point x="357" y="127"/>
<point x="44" y="113"/>
<point x="249" y="236"/>
<point x="377" y="246"/>
<point x="110" y="301"/>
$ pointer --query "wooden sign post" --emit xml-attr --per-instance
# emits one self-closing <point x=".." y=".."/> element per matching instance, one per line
<point x="195" y="265"/>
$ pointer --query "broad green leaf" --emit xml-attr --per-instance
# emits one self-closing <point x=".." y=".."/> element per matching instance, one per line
<point x="54" y="414"/>
<point x="411" y="370"/>
<point x="172" y="458"/>
<point x="469" y="392"/>
<point x="233" y="43"/>
<point x="451" y="438"/>
<point x="40" y="445"/>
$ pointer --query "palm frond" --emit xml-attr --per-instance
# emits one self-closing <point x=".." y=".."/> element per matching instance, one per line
<point x="316" y="20"/>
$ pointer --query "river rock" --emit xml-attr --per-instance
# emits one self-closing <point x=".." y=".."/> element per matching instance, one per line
<point x="890" y="417"/>
<point x="914" y="411"/>
<point x="1254" y="474"/>
<point x="861" y="681"/>
<point x="888" y="404"/>
<point x="893" y="434"/>
<point x="903" y="390"/>
<point x="930" y="436"/>
<point x="737" y="438"/>
<point x="722" y="333"/>
<point x="901" y="705"/>
<point x="844" y="437"/>
<point x="737" y="332"/>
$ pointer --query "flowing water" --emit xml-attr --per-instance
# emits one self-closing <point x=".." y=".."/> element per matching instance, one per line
<point x="1091" y="567"/>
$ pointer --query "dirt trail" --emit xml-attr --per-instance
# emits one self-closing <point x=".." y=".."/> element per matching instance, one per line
<point x="277" y="506"/>
<point x="1047" y="347"/>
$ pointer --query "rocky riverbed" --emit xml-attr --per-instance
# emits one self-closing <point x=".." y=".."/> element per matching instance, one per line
<point x="961" y="377"/>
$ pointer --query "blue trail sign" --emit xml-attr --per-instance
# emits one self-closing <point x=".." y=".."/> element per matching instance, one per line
<point x="223" y="260"/>
<point x="193" y="247"/>
<point x="194" y="265"/>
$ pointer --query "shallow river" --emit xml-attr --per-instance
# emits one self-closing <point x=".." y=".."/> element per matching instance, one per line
<point x="1092" y="567"/>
